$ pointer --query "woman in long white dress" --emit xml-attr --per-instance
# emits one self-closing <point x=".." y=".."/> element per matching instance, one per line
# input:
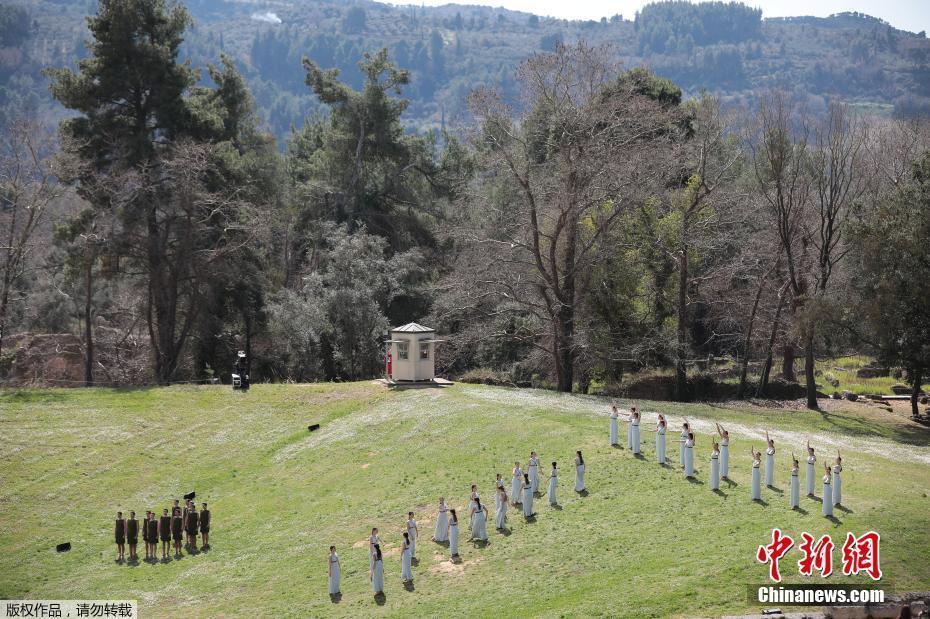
<point x="661" y="428"/>
<point x="553" y="482"/>
<point x="827" y="490"/>
<point x="376" y="574"/>
<point x="755" y="488"/>
<point x="811" y="459"/>
<point x="769" y="461"/>
<point x="794" y="498"/>
<point x="373" y="540"/>
<point x="837" y="481"/>
<point x="406" y="560"/>
<point x="479" y="522"/>
<point x="500" y="517"/>
<point x="614" y="425"/>
<point x="442" y="522"/>
<point x="714" y="465"/>
<point x="579" y="472"/>
<point x="412" y="534"/>
<point x="527" y="489"/>
<point x="683" y="438"/>
<point x="471" y="502"/>
<point x="533" y="467"/>
<point x="724" y="452"/>
<point x="516" y="484"/>
<point x="689" y="455"/>
<point x="632" y="433"/>
<point x="334" y="571"/>
<point x="453" y="534"/>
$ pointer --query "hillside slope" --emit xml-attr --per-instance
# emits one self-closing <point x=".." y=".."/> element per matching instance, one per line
<point x="645" y="542"/>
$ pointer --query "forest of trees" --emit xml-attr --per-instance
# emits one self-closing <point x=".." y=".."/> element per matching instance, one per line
<point x="606" y="224"/>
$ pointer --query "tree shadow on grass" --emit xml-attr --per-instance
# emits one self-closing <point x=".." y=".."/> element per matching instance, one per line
<point x="380" y="598"/>
<point x="843" y="424"/>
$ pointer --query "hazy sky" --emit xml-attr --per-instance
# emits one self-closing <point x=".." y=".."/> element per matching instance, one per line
<point x="913" y="15"/>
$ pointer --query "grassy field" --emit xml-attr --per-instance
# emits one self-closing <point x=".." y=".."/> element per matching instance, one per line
<point x="645" y="542"/>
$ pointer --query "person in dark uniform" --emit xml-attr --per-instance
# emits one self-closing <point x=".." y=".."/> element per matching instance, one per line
<point x="132" y="535"/>
<point x="177" y="528"/>
<point x="164" y="532"/>
<point x="176" y="509"/>
<point x="192" y="522"/>
<point x="205" y="526"/>
<point x="145" y="533"/>
<point x="152" y="526"/>
<point x="120" y="532"/>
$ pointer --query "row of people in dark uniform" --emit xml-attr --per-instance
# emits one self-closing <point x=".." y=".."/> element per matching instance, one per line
<point x="169" y="528"/>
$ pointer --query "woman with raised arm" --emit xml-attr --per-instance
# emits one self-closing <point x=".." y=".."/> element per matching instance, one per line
<point x="579" y="472"/>
<point x="769" y="461"/>
<point x="527" y="489"/>
<point x="441" y="533"/>
<point x="755" y="489"/>
<point x="376" y="574"/>
<point x="553" y="482"/>
<point x="661" y="428"/>
<point x="827" y="490"/>
<point x="811" y="459"/>
<point x="516" y="484"/>
<point x="714" y="465"/>
<point x="688" y="445"/>
<point x="479" y="522"/>
<point x="334" y="571"/>
<point x="453" y="534"/>
<point x="724" y="452"/>
<point x="794" y="499"/>
<point x="500" y="517"/>
<point x="837" y="481"/>
<point x="632" y="434"/>
<point x="683" y="438"/>
<point x="614" y="423"/>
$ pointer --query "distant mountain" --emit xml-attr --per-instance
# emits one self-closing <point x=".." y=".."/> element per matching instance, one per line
<point x="725" y="48"/>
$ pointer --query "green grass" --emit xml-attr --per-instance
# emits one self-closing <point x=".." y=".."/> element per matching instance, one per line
<point x="644" y="542"/>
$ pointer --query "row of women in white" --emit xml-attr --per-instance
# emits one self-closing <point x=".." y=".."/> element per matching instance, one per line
<point x="524" y="485"/>
<point x="523" y="489"/>
<point x="720" y="459"/>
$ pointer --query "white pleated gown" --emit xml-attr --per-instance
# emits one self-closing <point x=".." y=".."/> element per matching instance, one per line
<point x="334" y="575"/>
<point x="553" y="482"/>
<point x="689" y="459"/>
<point x="794" y="499"/>
<point x="810" y="474"/>
<point x="770" y="467"/>
<point x="755" y="489"/>
<point x="528" y="501"/>
<point x="534" y="474"/>
<point x="515" y="486"/>
<point x="412" y="534"/>
<point x="453" y="538"/>
<point x="479" y="525"/>
<point x="681" y="449"/>
<point x="500" y="517"/>
<point x="837" y="486"/>
<point x="725" y="458"/>
<point x="373" y="540"/>
<point x="377" y="576"/>
<point x="660" y="445"/>
<point x="614" y="430"/>
<point x="635" y="429"/>
<point x="406" y="565"/>
<point x="442" y="526"/>
<point x="497" y="495"/>
<point x="827" y="496"/>
<point x="579" y="477"/>
<point x="629" y="433"/>
<point x="715" y="471"/>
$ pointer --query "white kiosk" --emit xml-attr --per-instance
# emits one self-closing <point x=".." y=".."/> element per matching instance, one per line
<point x="411" y="354"/>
